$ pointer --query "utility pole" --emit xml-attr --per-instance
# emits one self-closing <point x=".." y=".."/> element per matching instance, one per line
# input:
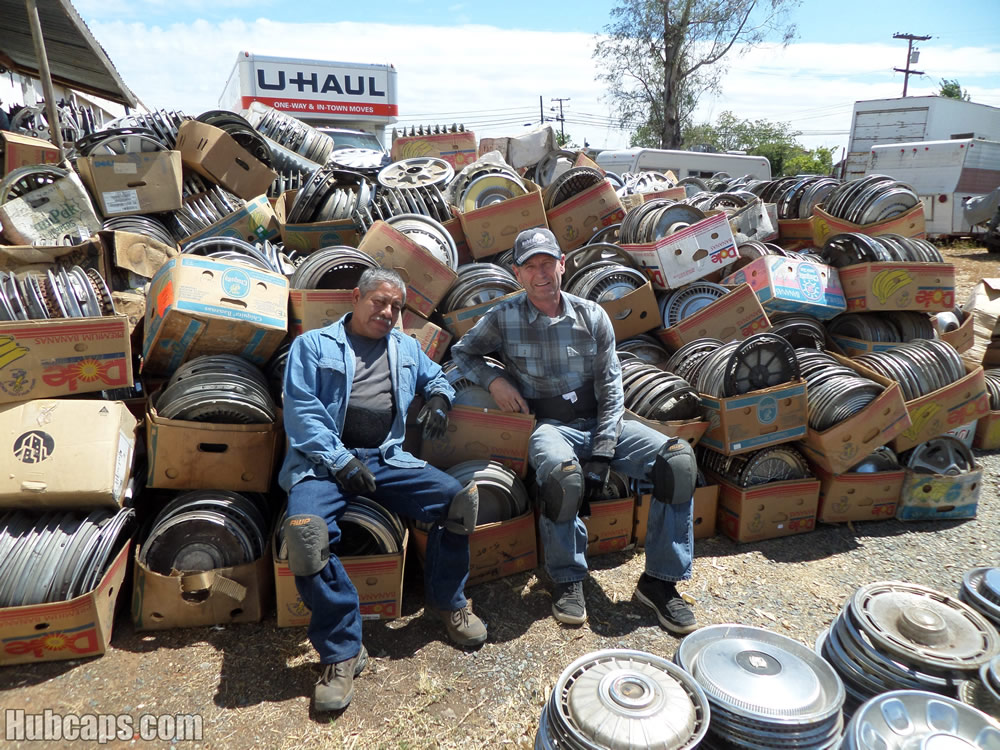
<point x="562" y="121"/>
<point x="541" y="109"/>
<point x="909" y="58"/>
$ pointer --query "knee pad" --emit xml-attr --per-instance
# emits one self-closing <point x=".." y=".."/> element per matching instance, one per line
<point x="562" y="492"/>
<point x="675" y="472"/>
<point x="463" y="511"/>
<point x="308" y="541"/>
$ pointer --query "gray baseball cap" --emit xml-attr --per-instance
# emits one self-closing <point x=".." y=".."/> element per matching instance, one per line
<point x="533" y="241"/>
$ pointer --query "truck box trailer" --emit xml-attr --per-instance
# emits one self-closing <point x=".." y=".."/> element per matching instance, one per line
<point x="683" y="163"/>
<point x="321" y="93"/>
<point x="945" y="174"/>
<point x="915" y="118"/>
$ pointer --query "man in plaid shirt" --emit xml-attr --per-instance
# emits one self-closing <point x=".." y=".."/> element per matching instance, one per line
<point x="560" y="363"/>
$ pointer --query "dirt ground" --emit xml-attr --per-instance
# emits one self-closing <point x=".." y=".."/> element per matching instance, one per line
<point x="251" y="684"/>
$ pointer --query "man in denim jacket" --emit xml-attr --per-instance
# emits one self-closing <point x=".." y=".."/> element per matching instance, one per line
<point x="347" y="391"/>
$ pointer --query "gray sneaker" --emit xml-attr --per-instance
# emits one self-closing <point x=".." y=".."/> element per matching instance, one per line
<point x="568" y="605"/>
<point x="335" y="687"/>
<point x="464" y="628"/>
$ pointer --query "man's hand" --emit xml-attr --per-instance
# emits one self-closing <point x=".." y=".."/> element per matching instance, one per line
<point x="355" y="478"/>
<point x="508" y="398"/>
<point x="595" y="477"/>
<point x="434" y="417"/>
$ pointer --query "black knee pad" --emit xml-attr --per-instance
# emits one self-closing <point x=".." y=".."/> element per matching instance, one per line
<point x="562" y="492"/>
<point x="308" y="541"/>
<point x="675" y="472"/>
<point x="463" y="511"/>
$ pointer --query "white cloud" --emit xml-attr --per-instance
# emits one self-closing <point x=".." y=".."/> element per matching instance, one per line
<point x="495" y="76"/>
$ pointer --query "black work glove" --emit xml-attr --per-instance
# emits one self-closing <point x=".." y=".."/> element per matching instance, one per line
<point x="434" y="417"/>
<point x="355" y="478"/>
<point x="595" y="477"/>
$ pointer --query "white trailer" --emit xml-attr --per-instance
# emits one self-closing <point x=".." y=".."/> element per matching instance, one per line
<point x="945" y="174"/>
<point x="915" y="118"/>
<point x="353" y="96"/>
<point x="683" y="163"/>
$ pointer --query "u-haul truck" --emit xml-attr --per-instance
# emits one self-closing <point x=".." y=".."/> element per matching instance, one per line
<point x="321" y="93"/>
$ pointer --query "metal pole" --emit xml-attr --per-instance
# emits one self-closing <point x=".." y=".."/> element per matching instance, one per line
<point x="46" y="77"/>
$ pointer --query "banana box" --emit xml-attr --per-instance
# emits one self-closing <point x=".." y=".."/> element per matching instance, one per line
<point x="877" y="287"/>
<point x="936" y="497"/>
<point x="793" y="286"/>
<point x="254" y="222"/>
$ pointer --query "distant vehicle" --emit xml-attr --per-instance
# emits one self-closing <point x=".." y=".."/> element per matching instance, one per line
<point x="683" y="163"/>
<point x="322" y="93"/>
<point x="915" y="118"/>
<point x="945" y="174"/>
<point x="343" y="138"/>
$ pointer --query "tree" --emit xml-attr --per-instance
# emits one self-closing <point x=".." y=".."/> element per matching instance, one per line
<point x="817" y="161"/>
<point x="775" y="140"/>
<point x="952" y="90"/>
<point x="659" y="56"/>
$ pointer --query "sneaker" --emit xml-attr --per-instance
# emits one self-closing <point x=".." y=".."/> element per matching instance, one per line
<point x="671" y="610"/>
<point x="335" y="687"/>
<point x="568" y="605"/>
<point x="464" y="628"/>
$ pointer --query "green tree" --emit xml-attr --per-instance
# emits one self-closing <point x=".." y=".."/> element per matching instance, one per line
<point x="952" y="90"/>
<point x="817" y="161"/>
<point x="659" y="56"/>
<point x="775" y="140"/>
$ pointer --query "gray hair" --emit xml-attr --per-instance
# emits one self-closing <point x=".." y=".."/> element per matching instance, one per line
<point x="373" y="277"/>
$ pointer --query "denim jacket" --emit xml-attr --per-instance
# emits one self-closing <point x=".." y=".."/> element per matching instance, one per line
<point x="318" y="377"/>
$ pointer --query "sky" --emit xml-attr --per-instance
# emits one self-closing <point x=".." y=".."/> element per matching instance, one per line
<point x="487" y="64"/>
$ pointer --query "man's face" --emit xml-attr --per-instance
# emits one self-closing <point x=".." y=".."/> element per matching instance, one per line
<point x="541" y="276"/>
<point x="376" y="313"/>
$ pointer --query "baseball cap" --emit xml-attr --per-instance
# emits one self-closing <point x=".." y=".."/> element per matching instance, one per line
<point x="533" y="241"/>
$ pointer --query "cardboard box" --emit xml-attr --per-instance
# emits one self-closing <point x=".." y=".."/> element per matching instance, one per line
<point x="459" y="322"/>
<point x="201" y="455"/>
<point x="254" y="222"/>
<point x="49" y="214"/>
<point x="458" y="149"/>
<point x="732" y="317"/>
<point x="688" y="255"/>
<point x="482" y="434"/>
<point x="934" y="497"/>
<point x="204" y="306"/>
<point x="576" y="220"/>
<point x="143" y="183"/>
<point x="876" y="287"/>
<point x="838" y="448"/>
<point x="963" y="337"/>
<point x="910" y="224"/>
<point x="795" y="234"/>
<point x="432" y="339"/>
<point x="634" y="200"/>
<point x="755" y="420"/>
<point x="988" y="432"/>
<point x="88" y="254"/>
<point x="21" y="150"/>
<point x="793" y="286"/>
<point x="496" y="550"/>
<point x="706" y="501"/>
<point x="59" y="357"/>
<point x="635" y="313"/>
<point x="766" y="511"/>
<point x="689" y="429"/>
<point x="316" y="308"/>
<point x="305" y="238"/>
<point x="377" y="578"/>
<point x="492" y="229"/>
<point x="58" y="631"/>
<point x="68" y="453"/>
<point x="944" y="409"/>
<point x="136" y="253"/>
<point x="213" y="597"/>
<point x="213" y="153"/>
<point x="858" y="497"/>
<point x="852" y="347"/>
<point x="983" y="306"/>
<point x="427" y="278"/>
<point x="609" y="525"/>
<point x="755" y="221"/>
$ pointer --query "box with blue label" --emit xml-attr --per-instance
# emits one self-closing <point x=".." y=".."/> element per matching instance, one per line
<point x="199" y="306"/>
<point x="936" y="497"/>
<point x="740" y="424"/>
<point x="793" y="286"/>
<point x="689" y="254"/>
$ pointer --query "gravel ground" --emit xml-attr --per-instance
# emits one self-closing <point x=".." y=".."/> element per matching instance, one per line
<point x="251" y="684"/>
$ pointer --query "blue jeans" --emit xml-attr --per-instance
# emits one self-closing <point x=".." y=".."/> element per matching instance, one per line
<point x="420" y="494"/>
<point x="670" y="535"/>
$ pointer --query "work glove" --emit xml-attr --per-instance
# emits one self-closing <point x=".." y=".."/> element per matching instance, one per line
<point x="595" y="477"/>
<point x="434" y="417"/>
<point x="355" y="478"/>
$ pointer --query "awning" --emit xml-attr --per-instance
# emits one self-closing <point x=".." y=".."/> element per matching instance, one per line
<point x="75" y="58"/>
